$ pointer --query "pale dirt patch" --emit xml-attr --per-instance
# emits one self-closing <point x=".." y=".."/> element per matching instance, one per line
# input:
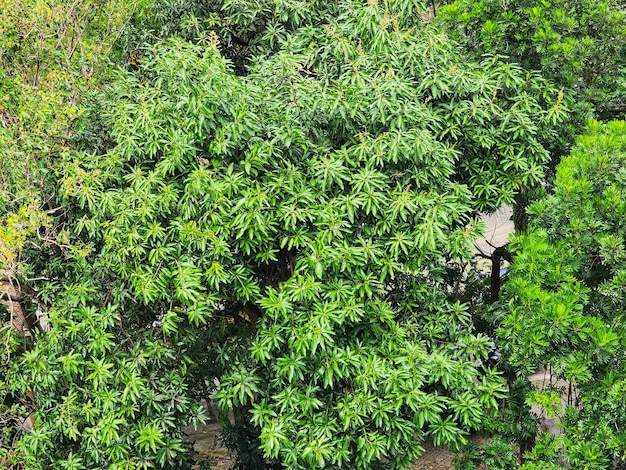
<point x="435" y="458"/>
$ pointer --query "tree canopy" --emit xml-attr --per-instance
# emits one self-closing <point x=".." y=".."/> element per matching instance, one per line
<point x="274" y="201"/>
<point x="567" y="293"/>
<point x="579" y="45"/>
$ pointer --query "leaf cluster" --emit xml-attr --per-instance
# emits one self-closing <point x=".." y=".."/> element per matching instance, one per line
<point x="577" y="45"/>
<point x="101" y="397"/>
<point x="566" y="293"/>
<point x="284" y="231"/>
<point x="317" y="198"/>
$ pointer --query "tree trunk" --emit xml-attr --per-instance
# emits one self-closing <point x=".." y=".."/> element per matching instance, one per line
<point x="12" y="295"/>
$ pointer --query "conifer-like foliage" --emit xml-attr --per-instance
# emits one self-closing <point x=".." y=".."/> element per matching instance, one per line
<point x="566" y="295"/>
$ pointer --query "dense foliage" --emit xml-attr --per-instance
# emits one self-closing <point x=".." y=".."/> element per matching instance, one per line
<point x="300" y="196"/>
<point x="578" y="44"/>
<point x="105" y="397"/>
<point x="567" y="295"/>
<point x="275" y="201"/>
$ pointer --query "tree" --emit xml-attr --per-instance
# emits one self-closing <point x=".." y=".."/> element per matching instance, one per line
<point x="566" y="294"/>
<point x="322" y="193"/>
<point x="97" y="392"/>
<point x="287" y="231"/>
<point x="576" y="44"/>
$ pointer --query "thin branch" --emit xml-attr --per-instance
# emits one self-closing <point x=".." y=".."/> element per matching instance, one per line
<point x="481" y="253"/>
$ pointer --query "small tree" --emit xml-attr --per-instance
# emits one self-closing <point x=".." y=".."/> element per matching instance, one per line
<point x="52" y="55"/>
<point x="576" y="45"/>
<point x="566" y="294"/>
<point x="318" y="199"/>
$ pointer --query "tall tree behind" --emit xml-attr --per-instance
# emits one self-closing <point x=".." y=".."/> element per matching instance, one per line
<point x="578" y="45"/>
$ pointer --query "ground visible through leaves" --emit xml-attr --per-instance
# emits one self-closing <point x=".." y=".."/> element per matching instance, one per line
<point x="207" y="443"/>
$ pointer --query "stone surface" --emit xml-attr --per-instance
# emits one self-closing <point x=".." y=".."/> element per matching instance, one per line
<point x="499" y="228"/>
